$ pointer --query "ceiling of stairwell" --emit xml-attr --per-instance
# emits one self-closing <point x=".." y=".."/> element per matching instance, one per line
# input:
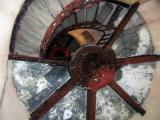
<point x="31" y="79"/>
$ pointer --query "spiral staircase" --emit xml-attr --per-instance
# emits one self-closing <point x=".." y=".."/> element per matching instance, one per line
<point x="45" y="31"/>
<point x="37" y="25"/>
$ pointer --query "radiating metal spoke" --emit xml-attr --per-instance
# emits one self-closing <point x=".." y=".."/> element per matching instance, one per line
<point x="36" y="59"/>
<point x="91" y="105"/>
<point x="53" y="99"/>
<point x="137" y="59"/>
<point x="122" y="25"/>
<point x="126" y="98"/>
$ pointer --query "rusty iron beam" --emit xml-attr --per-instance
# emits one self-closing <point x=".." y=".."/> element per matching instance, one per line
<point x="122" y="25"/>
<point x="53" y="99"/>
<point x="91" y="105"/>
<point x="137" y="59"/>
<point x="129" y="100"/>
<point x="36" y="59"/>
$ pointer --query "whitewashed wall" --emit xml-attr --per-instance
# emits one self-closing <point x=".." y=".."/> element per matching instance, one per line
<point x="10" y="107"/>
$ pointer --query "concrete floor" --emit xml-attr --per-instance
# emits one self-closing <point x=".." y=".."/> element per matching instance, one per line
<point x="12" y="109"/>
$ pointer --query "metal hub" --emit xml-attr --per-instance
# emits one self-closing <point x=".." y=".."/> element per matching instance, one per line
<point x="96" y="67"/>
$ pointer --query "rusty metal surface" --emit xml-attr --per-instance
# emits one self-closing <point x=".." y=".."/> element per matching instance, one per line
<point x="36" y="59"/>
<point x="105" y="77"/>
<point x="137" y="59"/>
<point x="70" y="96"/>
<point x="128" y="99"/>
<point x="91" y="105"/>
<point x="80" y="62"/>
<point x="53" y="99"/>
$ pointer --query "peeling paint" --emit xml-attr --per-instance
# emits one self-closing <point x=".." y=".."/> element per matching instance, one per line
<point x="34" y="82"/>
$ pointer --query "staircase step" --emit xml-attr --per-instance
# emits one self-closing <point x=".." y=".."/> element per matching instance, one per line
<point x="103" y="12"/>
<point x="91" y="12"/>
<point x="72" y="20"/>
<point x="81" y="16"/>
<point x="34" y="25"/>
<point x="114" y="16"/>
<point x="65" y="23"/>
